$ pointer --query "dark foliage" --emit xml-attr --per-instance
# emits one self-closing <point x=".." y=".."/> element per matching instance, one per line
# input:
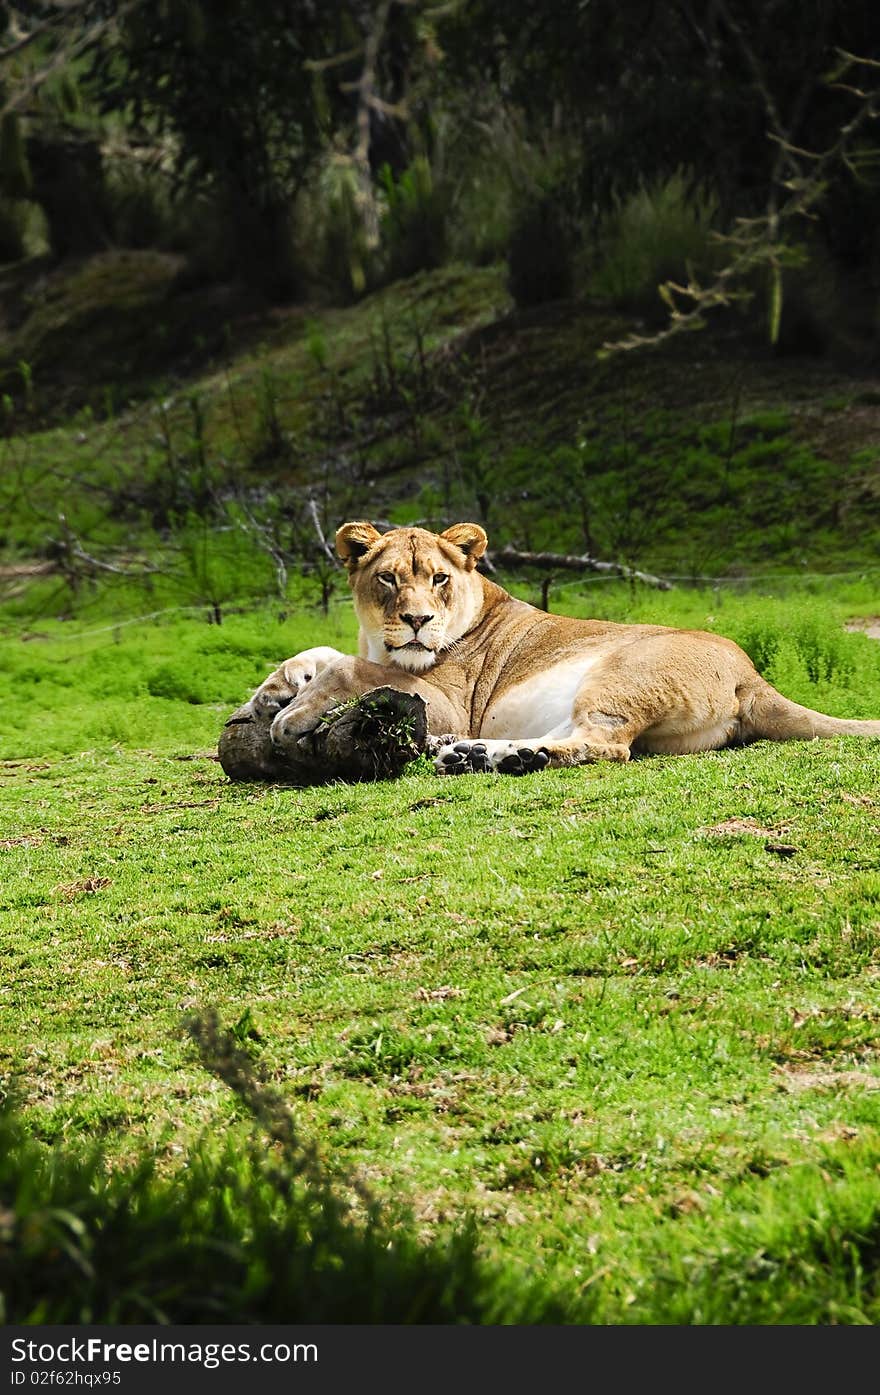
<point x="707" y="86"/>
<point x="231" y="84"/>
<point x="539" y="267"/>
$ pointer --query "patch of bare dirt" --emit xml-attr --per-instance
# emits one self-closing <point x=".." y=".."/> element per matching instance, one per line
<point x="737" y="828"/>
<point x="865" y="624"/>
<point x="795" y="1078"/>
<point x="87" y="886"/>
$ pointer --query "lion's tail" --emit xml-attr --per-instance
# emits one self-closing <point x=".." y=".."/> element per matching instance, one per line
<point x="766" y="714"/>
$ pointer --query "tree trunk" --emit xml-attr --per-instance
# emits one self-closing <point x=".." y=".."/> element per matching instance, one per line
<point x="263" y="248"/>
<point x="68" y="183"/>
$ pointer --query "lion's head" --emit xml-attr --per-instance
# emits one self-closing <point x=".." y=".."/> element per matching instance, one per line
<point x="415" y="592"/>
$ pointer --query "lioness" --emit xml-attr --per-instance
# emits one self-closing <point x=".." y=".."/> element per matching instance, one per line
<point x="514" y="689"/>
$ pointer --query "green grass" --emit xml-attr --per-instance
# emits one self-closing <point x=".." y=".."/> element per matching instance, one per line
<point x="624" y="1017"/>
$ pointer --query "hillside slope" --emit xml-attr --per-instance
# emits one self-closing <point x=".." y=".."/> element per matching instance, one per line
<point x="135" y="401"/>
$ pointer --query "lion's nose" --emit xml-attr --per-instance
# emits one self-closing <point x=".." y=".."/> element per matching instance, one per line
<point x="416" y="621"/>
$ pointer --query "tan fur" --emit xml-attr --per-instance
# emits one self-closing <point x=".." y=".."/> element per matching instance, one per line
<point x="497" y="671"/>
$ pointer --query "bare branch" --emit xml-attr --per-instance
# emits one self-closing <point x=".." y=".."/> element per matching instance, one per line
<point x="312" y="511"/>
<point x="442" y="11"/>
<point x="23" y="91"/>
<point x="361" y="155"/>
<point x="561" y="561"/>
<point x="95" y="563"/>
<point x="60" y="17"/>
<point x="854" y="58"/>
<point x="758" y="76"/>
<point x="322" y="65"/>
<point x="399" y="110"/>
<point x="796" y="149"/>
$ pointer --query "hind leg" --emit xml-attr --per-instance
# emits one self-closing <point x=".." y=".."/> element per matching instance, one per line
<point x="670" y="693"/>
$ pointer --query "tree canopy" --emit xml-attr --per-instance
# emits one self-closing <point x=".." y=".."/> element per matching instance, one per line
<point x="743" y="98"/>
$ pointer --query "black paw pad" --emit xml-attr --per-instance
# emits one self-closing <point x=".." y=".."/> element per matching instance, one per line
<point x="523" y="761"/>
<point x="454" y="759"/>
<point x="466" y="758"/>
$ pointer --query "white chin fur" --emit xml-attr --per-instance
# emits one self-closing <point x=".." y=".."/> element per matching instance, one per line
<point x="414" y="660"/>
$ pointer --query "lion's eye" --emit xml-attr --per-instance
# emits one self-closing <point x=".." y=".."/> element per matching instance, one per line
<point x="439" y="578"/>
<point x="387" y="578"/>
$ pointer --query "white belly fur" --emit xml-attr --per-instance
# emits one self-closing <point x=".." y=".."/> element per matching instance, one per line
<point x="540" y="706"/>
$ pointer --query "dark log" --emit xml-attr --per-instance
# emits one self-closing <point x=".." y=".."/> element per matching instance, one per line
<point x="369" y="738"/>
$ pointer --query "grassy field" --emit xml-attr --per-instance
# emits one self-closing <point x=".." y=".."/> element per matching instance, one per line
<point x="601" y="1044"/>
<point x="626" y="1017"/>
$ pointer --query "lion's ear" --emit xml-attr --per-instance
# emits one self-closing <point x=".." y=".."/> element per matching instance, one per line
<point x="470" y="538"/>
<point x="353" y="540"/>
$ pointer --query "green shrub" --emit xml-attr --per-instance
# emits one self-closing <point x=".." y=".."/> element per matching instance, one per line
<point x="145" y="210"/>
<point x="494" y="162"/>
<point x="331" y="234"/>
<point x="139" y="205"/>
<point x="413" y="223"/>
<point x="761" y="642"/>
<point x="218" y="564"/>
<point x="178" y="682"/>
<point x="654" y="235"/>
<point x="481" y="217"/>
<point x="823" y="650"/>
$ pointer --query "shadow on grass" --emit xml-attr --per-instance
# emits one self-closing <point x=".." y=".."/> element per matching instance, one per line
<point x="238" y="1235"/>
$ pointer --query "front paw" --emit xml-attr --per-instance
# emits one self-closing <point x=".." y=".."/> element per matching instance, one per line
<point x="281" y="689"/>
<point x="292" y="729"/>
<point x="266" y="703"/>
